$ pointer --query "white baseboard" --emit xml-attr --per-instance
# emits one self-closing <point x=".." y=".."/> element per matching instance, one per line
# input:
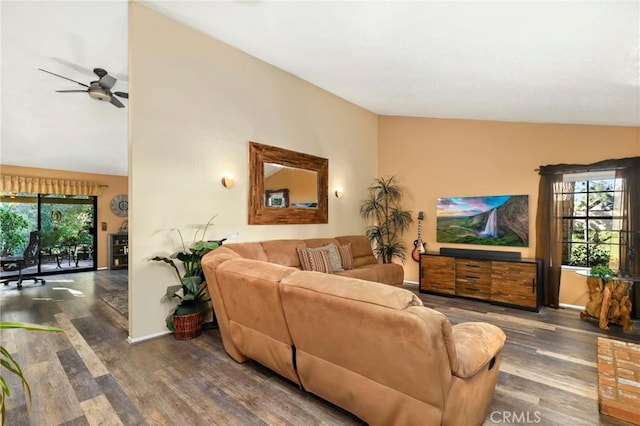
<point x="104" y="268"/>
<point x="411" y="283"/>
<point x="567" y="306"/>
<point x="149" y="337"/>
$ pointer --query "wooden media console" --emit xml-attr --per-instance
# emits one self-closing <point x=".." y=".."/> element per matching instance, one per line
<point x="509" y="282"/>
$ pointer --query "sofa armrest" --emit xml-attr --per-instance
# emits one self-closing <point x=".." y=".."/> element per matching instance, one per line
<point x="477" y="343"/>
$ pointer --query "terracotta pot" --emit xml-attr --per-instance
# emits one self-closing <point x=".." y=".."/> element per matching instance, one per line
<point x="188" y="326"/>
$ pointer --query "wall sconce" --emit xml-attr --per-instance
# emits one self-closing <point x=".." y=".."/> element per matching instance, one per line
<point x="339" y="192"/>
<point x="228" y="181"/>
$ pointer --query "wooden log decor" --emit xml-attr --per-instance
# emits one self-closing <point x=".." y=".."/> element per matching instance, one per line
<point x="608" y="302"/>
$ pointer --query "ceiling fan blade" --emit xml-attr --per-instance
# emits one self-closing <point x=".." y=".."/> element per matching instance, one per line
<point x="100" y="72"/>
<point x="122" y="94"/>
<point x="116" y="102"/>
<point x="73" y="66"/>
<point x="107" y="81"/>
<point x="80" y="68"/>
<point x="72" y="91"/>
<point x="61" y="76"/>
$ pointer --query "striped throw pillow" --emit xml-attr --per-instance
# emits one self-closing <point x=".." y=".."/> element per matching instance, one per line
<point x="334" y="256"/>
<point x="319" y="260"/>
<point x="346" y="255"/>
<point x="304" y="259"/>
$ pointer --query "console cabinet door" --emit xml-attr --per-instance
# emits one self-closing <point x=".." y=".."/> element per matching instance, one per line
<point x="514" y="283"/>
<point x="473" y="278"/>
<point x="437" y="274"/>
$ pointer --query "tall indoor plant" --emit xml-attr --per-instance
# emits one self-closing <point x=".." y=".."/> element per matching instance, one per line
<point x="388" y="220"/>
<point x="191" y="288"/>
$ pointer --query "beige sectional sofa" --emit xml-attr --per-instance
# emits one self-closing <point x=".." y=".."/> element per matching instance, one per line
<point x="370" y="348"/>
<point x="365" y="264"/>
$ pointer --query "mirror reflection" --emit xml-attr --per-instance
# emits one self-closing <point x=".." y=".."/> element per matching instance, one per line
<point x="286" y="186"/>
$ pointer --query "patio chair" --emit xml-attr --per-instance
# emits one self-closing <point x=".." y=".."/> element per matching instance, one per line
<point x="29" y="258"/>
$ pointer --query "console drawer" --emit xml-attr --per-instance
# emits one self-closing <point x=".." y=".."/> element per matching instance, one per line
<point x="478" y="289"/>
<point x="473" y="278"/>
<point x="473" y="267"/>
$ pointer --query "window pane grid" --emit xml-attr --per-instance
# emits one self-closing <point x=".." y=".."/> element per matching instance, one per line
<point x="591" y="222"/>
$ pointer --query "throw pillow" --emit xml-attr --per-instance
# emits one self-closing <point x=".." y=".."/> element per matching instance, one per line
<point x="334" y="256"/>
<point x="319" y="260"/>
<point x="304" y="259"/>
<point x="346" y="256"/>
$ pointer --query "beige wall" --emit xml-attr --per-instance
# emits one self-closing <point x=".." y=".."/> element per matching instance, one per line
<point x="195" y="104"/>
<point x="573" y="288"/>
<point x="114" y="185"/>
<point x="446" y="157"/>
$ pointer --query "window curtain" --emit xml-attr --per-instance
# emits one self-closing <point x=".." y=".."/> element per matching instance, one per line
<point x="40" y="185"/>
<point x="630" y="208"/>
<point x="549" y="217"/>
<point x="549" y="234"/>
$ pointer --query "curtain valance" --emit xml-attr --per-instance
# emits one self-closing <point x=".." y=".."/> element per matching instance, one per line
<point x="42" y="185"/>
<point x="614" y="164"/>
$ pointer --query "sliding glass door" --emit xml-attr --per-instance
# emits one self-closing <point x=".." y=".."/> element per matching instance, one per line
<point x="68" y="228"/>
<point x="67" y="224"/>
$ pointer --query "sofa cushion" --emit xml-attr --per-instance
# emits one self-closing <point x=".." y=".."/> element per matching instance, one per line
<point x="360" y="273"/>
<point x="357" y="290"/>
<point x="248" y="288"/>
<point x="388" y="273"/>
<point x="257" y="326"/>
<point x="283" y="252"/>
<point x="360" y="249"/>
<point x="319" y="242"/>
<point x="476" y="343"/>
<point x="252" y="251"/>
<point x="362" y="334"/>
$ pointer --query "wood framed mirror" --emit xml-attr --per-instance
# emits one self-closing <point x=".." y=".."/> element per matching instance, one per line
<point x="287" y="187"/>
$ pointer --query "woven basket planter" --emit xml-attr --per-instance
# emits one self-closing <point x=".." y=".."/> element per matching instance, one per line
<point x="188" y="326"/>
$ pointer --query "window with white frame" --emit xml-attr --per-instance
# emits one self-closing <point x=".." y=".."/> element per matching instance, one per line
<point x="592" y="219"/>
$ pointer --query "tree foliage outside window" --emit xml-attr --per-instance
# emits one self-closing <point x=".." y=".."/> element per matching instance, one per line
<point x="14" y="231"/>
<point x="70" y="226"/>
<point x="63" y="221"/>
<point x="591" y="221"/>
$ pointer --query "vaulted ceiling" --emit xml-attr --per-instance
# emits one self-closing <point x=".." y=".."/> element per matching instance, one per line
<point x="550" y="62"/>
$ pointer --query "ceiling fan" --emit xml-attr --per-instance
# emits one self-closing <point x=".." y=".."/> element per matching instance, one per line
<point x="99" y="89"/>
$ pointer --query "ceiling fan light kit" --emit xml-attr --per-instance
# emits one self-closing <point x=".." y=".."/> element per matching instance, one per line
<point x="97" y="92"/>
<point x="99" y="89"/>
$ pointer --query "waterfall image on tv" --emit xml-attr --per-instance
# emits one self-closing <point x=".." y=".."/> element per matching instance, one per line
<point x="498" y="220"/>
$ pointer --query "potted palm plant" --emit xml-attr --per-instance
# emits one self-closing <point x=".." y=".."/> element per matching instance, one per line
<point x="186" y="319"/>
<point x="388" y="219"/>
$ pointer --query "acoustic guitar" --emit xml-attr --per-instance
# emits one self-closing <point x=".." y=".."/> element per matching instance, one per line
<point x="418" y="245"/>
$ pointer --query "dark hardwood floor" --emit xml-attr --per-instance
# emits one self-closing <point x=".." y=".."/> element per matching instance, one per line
<point x="91" y="375"/>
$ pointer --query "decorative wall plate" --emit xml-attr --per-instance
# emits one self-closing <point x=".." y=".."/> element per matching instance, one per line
<point x="120" y="205"/>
